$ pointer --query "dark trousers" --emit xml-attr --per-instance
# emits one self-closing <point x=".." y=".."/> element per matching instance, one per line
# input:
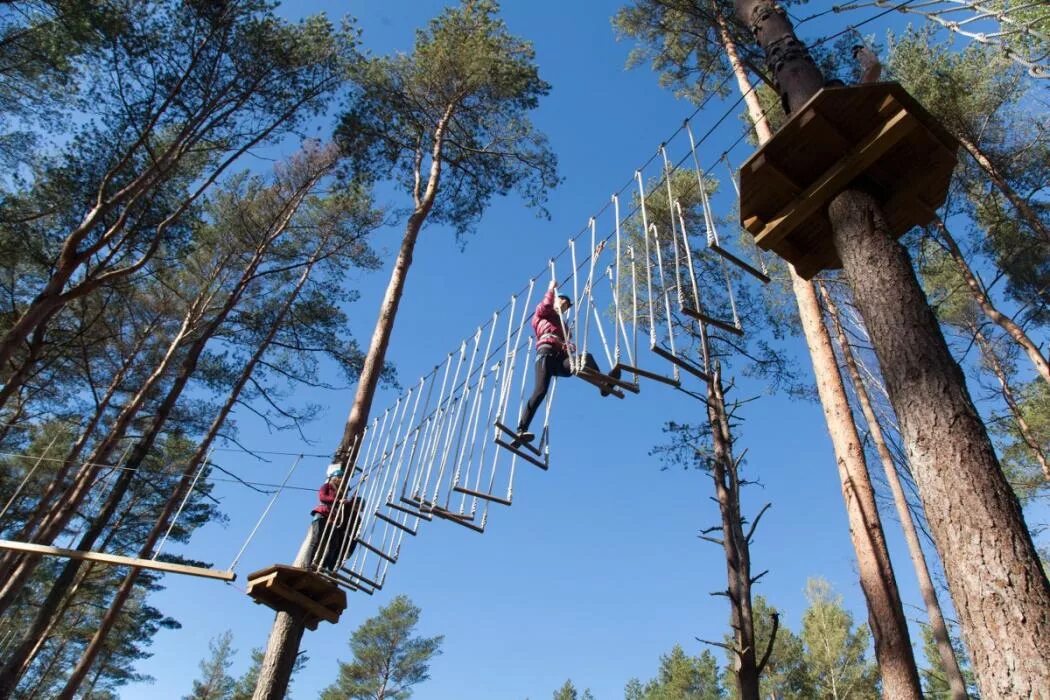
<point x="550" y="363"/>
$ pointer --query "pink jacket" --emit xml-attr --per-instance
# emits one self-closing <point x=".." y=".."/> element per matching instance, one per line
<point x="547" y="326"/>
<point x="326" y="495"/>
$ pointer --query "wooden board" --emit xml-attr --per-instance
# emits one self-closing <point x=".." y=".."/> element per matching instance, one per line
<point x="874" y="137"/>
<point x="117" y="560"/>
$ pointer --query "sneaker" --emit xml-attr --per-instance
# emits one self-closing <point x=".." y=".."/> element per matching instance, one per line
<point x="604" y="392"/>
<point x="522" y="436"/>
<point x="615" y="372"/>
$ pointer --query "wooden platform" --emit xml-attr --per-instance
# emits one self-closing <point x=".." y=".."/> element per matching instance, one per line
<point x="877" y="137"/>
<point x="299" y="592"/>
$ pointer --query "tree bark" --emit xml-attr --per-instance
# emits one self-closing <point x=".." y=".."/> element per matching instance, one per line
<point x="993" y="571"/>
<point x="949" y="662"/>
<point x="1042" y="366"/>
<point x="878" y="582"/>
<point x="734" y="542"/>
<point x="282" y="648"/>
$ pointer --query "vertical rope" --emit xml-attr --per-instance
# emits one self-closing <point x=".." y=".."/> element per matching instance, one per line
<point x="674" y="239"/>
<point x="648" y="272"/>
<point x="615" y="282"/>
<point x="185" y="500"/>
<point x="667" y="301"/>
<point x="736" y="187"/>
<point x="237" y="558"/>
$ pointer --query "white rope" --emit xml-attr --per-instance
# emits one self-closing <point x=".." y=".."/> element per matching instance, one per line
<point x="759" y="255"/>
<point x="615" y="283"/>
<point x="237" y="558"/>
<point x="185" y="500"/>
<point x="601" y="334"/>
<point x="679" y="294"/>
<point x="667" y="302"/>
<point x="648" y="272"/>
<point x="28" y="476"/>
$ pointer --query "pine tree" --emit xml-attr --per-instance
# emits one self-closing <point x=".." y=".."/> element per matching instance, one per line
<point x="388" y="659"/>
<point x="215" y="682"/>
<point x="835" y="651"/>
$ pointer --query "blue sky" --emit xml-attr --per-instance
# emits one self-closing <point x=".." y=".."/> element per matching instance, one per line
<point x="596" y="569"/>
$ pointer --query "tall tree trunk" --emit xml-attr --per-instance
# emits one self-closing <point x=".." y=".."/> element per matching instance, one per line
<point x="734" y="542"/>
<point x="1007" y="392"/>
<point x="949" y="662"/>
<point x="1024" y="210"/>
<point x="980" y="295"/>
<point x="282" y="648"/>
<point x="885" y="612"/>
<point x="161" y="525"/>
<point x="994" y="573"/>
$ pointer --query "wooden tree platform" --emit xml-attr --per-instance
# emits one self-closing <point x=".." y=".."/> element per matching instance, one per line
<point x="876" y="137"/>
<point x="299" y="592"/>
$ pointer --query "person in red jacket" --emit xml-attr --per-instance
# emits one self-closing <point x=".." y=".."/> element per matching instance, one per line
<point x="341" y="514"/>
<point x="553" y="345"/>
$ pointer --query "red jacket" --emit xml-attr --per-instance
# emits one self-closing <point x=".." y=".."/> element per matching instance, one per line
<point x="547" y="326"/>
<point x="326" y="495"/>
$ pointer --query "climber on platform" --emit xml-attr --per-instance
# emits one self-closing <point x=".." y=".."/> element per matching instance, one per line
<point x="344" y="517"/>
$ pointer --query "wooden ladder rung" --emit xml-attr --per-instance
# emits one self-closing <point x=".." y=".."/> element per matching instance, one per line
<point x="527" y="445"/>
<point x="742" y="264"/>
<point x="712" y="321"/>
<point x="453" y="518"/>
<point x="377" y="551"/>
<point x="684" y="364"/>
<point x="526" y="457"/>
<point x="402" y="509"/>
<point x="481" y="494"/>
<point x="595" y="379"/>
<point x="611" y="381"/>
<point x="396" y="523"/>
<point x="649" y="375"/>
<point x="361" y="577"/>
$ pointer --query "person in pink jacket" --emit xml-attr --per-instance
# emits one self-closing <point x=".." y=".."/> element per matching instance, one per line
<point x="345" y="517"/>
<point x="553" y="345"/>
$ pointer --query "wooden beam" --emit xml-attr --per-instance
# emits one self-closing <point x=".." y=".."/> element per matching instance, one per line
<point x="303" y="602"/>
<point x="117" y="560"/>
<point x="481" y="494"/>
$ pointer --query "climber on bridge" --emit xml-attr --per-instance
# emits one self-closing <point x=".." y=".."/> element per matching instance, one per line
<point x="553" y="349"/>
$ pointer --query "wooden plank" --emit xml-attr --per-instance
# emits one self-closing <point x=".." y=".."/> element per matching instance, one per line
<point x="649" y="375"/>
<point x="354" y="575"/>
<point x="396" y="523"/>
<point x="742" y="264"/>
<point x="526" y="457"/>
<point x="684" y="364"/>
<point x="303" y="602"/>
<point x="453" y="518"/>
<point x="481" y="494"/>
<point x="595" y="379"/>
<point x="377" y="551"/>
<point x="402" y="509"/>
<point x="118" y="560"/>
<point x="712" y="321"/>
<point x="514" y="436"/>
<point x="814" y="197"/>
